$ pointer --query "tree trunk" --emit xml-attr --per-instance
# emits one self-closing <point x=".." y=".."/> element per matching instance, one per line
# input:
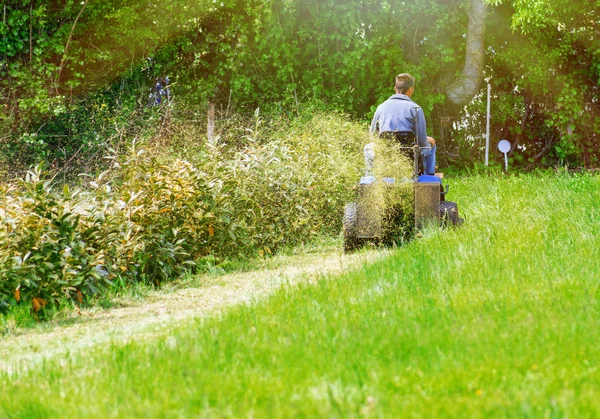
<point x="466" y="87"/>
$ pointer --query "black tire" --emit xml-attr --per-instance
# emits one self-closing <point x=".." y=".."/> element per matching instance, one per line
<point x="449" y="213"/>
<point x="351" y="241"/>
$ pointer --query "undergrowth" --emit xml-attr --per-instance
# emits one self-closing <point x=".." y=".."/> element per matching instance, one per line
<point x="151" y="216"/>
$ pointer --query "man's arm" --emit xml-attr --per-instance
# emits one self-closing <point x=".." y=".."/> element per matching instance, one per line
<point x="373" y="127"/>
<point x="421" y="129"/>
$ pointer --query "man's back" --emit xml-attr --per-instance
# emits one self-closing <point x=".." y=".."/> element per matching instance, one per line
<point x="400" y="114"/>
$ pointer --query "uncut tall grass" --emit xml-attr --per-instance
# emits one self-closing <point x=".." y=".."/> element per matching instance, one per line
<point x="497" y="318"/>
<point x="154" y="215"/>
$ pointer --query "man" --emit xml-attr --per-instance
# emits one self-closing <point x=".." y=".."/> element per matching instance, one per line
<point x="401" y="118"/>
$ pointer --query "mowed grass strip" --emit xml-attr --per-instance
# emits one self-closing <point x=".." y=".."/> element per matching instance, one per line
<point x="496" y="318"/>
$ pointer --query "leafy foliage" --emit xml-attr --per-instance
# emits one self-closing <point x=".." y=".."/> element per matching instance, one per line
<point x="242" y="54"/>
<point x="47" y="252"/>
<point x="147" y="219"/>
<point x="543" y="67"/>
<point x="75" y="77"/>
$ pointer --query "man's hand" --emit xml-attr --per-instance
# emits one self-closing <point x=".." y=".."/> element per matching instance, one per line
<point x="431" y="141"/>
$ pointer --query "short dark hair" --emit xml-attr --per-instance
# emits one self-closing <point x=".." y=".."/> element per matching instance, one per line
<point x="404" y="82"/>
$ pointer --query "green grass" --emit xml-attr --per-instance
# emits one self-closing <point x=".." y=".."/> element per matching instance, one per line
<point x="497" y="318"/>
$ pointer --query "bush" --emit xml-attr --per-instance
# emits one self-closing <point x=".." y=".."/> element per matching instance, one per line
<point x="149" y="219"/>
<point x="46" y="253"/>
<point x="161" y="217"/>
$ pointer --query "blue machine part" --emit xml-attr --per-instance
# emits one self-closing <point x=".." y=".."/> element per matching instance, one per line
<point x="429" y="179"/>
<point x="367" y="180"/>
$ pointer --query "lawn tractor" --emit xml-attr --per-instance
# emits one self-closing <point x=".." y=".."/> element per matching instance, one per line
<point x="387" y="210"/>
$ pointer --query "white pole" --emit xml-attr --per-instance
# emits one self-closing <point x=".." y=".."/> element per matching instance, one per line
<point x="487" y="131"/>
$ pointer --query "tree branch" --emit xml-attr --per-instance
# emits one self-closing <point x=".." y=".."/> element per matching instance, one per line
<point x="541" y="154"/>
<point x="64" y="57"/>
<point x="30" y="31"/>
<point x="523" y="122"/>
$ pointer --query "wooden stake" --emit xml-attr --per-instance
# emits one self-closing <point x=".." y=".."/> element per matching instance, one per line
<point x="210" y="128"/>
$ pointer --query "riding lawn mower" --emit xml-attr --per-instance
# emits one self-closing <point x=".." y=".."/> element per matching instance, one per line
<point x="379" y="217"/>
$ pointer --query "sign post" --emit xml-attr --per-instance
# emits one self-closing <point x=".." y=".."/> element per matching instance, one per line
<point x="487" y="131"/>
<point x="504" y="147"/>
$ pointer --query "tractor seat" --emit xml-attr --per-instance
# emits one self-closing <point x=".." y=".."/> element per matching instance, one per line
<point x="404" y="138"/>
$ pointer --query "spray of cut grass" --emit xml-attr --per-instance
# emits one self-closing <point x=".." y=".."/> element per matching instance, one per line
<point x="389" y="201"/>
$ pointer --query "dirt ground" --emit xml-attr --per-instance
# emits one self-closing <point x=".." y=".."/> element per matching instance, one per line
<point x="160" y="310"/>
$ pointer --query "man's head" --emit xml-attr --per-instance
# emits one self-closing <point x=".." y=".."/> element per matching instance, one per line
<point x="405" y="84"/>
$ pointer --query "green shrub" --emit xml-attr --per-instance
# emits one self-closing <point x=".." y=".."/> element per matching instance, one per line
<point x="150" y="219"/>
<point x="46" y="254"/>
<point x="162" y="217"/>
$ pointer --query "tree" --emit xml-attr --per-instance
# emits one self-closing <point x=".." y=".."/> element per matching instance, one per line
<point x="469" y="83"/>
<point x="66" y="62"/>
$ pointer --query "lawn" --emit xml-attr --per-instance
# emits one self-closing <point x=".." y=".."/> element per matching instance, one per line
<point x="496" y="318"/>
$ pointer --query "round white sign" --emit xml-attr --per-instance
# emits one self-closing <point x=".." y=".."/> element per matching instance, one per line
<point x="504" y="146"/>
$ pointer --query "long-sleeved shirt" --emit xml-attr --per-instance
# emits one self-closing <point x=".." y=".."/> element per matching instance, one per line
<point x="400" y="113"/>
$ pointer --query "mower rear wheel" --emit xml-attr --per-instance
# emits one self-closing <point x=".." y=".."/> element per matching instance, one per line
<point x="449" y="213"/>
<point x="351" y="241"/>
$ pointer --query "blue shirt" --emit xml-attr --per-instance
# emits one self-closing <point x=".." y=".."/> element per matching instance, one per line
<point x="400" y="113"/>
